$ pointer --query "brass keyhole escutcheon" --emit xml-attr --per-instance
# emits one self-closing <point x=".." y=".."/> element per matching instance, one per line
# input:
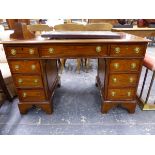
<point x="31" y="51"/>
<point x="51" y="50"/>
<point x="117" y="50"/>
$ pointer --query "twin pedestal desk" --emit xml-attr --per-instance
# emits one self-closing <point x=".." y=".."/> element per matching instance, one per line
<point x="33" y="64"/>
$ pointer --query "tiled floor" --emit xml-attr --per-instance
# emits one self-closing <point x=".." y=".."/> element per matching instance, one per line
<point x="77" y="111"/>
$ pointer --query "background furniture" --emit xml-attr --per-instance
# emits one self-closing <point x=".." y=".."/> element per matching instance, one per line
<point x="11" y="22"/>
<point x="69" y="27"/>
<point x="149" y="63"/>
<point x="141" y="32"/>
<point x="34" y="68"/>
<point x="39" y="28"/>
<point x="97" y="27"/>
<point x="6" y="82"/>
<point x="111" y="21"/>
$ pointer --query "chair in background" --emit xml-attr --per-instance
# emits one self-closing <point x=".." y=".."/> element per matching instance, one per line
<point x="110" y="21"/>
<point x="96" y="27"/>
<point x="69" y="27"/>
<point x="6" y="82"/>
<point x="149" y="63"/>
<point x="39" y="28"/>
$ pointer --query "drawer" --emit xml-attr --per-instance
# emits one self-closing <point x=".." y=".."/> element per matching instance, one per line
<point x="127" y="50"/>
<point x="118" y="65"/>
<point x="25" y="66"/>
<point x="122" y="80"/>
<point x="28" y="81"/>
<point x="121" y="94"/>
<point x="31" y="95"/>
<point x="22" y="52"/>
<point x="57" y="51"/>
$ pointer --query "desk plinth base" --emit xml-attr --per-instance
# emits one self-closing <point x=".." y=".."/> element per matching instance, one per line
<point x="24" y="107"/>
<point x="107" y="105"/>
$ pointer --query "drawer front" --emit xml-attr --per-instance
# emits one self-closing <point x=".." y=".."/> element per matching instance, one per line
<point x="118" y="65"/>
<point x="121" y="94"/>
<point x="28" y="81"/>
<point x="22" y="52"/>
<point x="25" y="66"/>
<point x="31" y="95"/>
<point x="127" y="50"/>
<point x="57" y="51"/>
<point x="123" y="80"/>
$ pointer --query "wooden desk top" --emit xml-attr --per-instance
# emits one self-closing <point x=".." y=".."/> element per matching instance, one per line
<point x="124" y="38"/>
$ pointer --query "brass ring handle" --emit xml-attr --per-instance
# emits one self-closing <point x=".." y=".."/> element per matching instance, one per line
<point x="131" y="79"/>
<point x="33" y="67"/>
<point x="113" y="93"/>
<point x="114" y="80"/>
<point x="129" y="93"/>
<point x="16" y="67"/>
<point x="35" y="80"/>
<point x="20" y="80"/>
<point x="117" y="50"/>
<point x="24" y="95"/>
<point x="137" y="50"/>
<point x="133" y="65"/>
<point x="31" y="51"/>
<point x="116" y="65"/>
<point x="51" y="50"/>
<point x="98" y="49"/>
<point x="13" y="51"/>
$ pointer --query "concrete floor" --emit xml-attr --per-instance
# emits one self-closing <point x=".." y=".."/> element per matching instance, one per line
<point x="77" y="111"/>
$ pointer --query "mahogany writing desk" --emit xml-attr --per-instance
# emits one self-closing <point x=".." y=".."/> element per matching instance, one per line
<point x="33" y="64"/>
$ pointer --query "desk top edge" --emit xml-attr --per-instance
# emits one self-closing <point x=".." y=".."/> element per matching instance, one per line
<point x="39" y="40"/>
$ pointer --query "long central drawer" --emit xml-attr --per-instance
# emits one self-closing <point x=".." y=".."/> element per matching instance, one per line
<point x="57" y="51"/>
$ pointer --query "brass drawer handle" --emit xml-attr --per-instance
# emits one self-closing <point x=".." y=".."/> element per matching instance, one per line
<point x="16" y="67"/>
<point x="33" y="67"/>
<point x="114" y="80"/>
<point x="35" y="80"/>
<point x="129" y="93"/>
<point x="113" y="93"/>
<point x="116" y="65"/>
<point x="13" y="51"/>
<point x="51" y="50"/>
<point x="31" y="51"/>
<point x="131" y="79"/>
<point x="20" y="81"/>
<point x="98" y="49"/>
<point x="133" y="65"/>
<point x="137" y="50"/>
<point x="117" y="50"/>
<point x="24" y="95"/>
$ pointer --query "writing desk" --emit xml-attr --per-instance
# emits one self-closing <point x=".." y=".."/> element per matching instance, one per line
<point x="33" y="64"/>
